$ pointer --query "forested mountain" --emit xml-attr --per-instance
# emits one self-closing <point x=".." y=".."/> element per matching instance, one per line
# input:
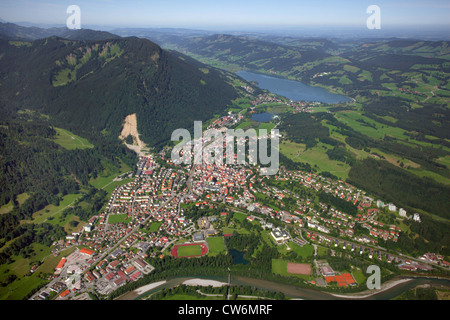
<point x="90" y="87"/>
<point x="410" y="47"/>
<point x="11" y="31"/>
<point x="247" y="52"/>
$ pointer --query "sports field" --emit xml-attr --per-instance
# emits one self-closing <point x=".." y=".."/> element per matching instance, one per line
<point x="189" y="250"/>
<point x="299" y="268"/>
<point x="285" y="268"/>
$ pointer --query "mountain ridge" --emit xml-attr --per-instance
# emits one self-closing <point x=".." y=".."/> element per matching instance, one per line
<point x="90" y="86"/>
<point x="11" y="31"/>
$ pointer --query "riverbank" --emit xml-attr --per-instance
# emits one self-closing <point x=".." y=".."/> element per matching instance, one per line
<point x="389" y="289"/>
<point x="149" y="287"/>
<point x="204" y="283"/>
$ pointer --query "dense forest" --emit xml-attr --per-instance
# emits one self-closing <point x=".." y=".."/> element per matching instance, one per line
<point x="305" y="128"/>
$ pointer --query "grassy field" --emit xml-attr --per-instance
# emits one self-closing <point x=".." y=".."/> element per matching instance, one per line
<point x="187" y="251"/>
<point x="52" y="212"/>
<point x="18" y="289"/>
<point x="239" y="216"/>
<point x="216" y="245"/>
<point x="20" y="267"/>
<point x="247" y="124"/>
<point x="279" y="266"/>
<point x="315" y="156"/>
<point x="70" y="141"/>
<point x="265" y="126"/>
<point x="106" y="181"/>
<point x="155" y="226"/>
<point x="9" y="206"/>
<point x="371" y="128"/>
<point x="358" y="275"/>
<point x="304" y="252"/>
<point x="119" y="218"/>
<point x="230" y="230"/>
<point x="292" y="150"/>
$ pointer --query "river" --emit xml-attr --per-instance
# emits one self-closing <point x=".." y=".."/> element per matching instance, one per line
<point x="293" y="90"/>
<point x="389" y="290"/>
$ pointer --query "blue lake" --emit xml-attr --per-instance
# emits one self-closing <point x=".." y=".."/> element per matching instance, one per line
<point x="293" y="90"/>
<point x="262" y="117"/>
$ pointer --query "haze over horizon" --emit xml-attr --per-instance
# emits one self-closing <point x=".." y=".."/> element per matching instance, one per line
<point x="252" y="15"/>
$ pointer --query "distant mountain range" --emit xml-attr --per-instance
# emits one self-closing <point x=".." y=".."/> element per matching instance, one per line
<point x="89" y="81"/>
<point x="11" y="31"/>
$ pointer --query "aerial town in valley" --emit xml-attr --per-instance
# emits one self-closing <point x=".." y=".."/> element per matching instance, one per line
<point x="147" y="218"/>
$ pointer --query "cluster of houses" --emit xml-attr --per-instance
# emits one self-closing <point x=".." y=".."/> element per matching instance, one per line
<point x="147" y="213"/>
<point x="265" y="98"/>
<point x="135" y="206"/>
<point x="224" y="181"/>
<point x="415" y="92"/>
<point x="226" y="121"/>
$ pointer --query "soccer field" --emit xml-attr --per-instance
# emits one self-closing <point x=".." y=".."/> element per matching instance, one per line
<point x="187" y="251"/>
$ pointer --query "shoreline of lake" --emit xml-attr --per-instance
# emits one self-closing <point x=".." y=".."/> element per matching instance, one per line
<point x="292" y="89"/>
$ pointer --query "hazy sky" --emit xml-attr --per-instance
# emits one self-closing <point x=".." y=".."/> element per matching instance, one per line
<point x="230" y="13"/>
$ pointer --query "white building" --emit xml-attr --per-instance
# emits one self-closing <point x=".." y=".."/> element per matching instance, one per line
<point x="416" y="217"/>
<point x="392" y="207"/>
<point x="280" y="235"/>
<point x="323" y="229"/>
<point x="402" y="212"/>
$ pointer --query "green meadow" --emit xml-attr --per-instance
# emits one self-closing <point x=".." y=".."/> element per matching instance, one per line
<point x="70" y="141"/>
<point x="216" y="245"/>
<point x="9" y="206"/>
<point x="315" y="156"/>
<point x="119" y="218"/>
